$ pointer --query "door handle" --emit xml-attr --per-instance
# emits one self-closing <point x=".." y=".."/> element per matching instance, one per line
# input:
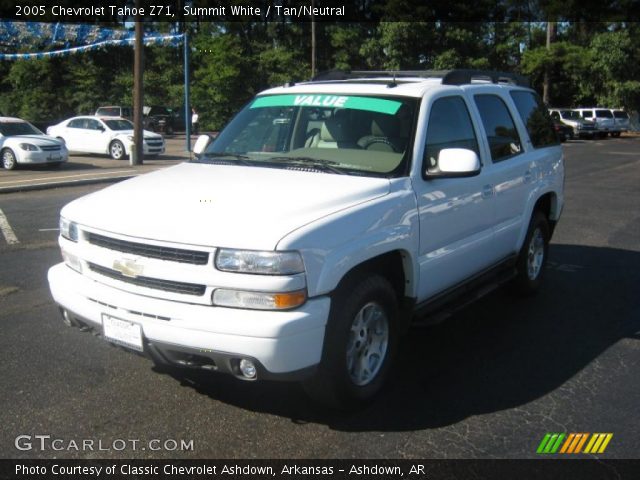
<point x="528" y="176"/>
<point x="487" y="191"/>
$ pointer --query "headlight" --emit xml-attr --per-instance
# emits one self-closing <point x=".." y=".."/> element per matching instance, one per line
<point x="29" y="147"/>
<point x="68" y="230"/>
<point x="258" y="300"/>
<point x="263" y="263"/>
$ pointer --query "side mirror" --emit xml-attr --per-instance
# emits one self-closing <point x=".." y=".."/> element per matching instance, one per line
<point x="201" y="144"/>
<point x="456" y="162"/>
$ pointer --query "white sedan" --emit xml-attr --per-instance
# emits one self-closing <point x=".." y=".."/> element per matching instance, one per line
<point x="110" y="135"/>
<point x="22" y="143"/>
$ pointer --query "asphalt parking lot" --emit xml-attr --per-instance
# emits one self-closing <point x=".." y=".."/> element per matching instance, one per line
<point x="488" y="383"/>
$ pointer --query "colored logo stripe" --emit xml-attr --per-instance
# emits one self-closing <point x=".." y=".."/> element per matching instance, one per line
<point x="574" y="443"/>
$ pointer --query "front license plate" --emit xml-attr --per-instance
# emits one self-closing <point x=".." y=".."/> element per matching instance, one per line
<point x="122" y="332"/>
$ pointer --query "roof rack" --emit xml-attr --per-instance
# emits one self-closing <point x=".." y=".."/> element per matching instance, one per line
<point x="449" y="77"/>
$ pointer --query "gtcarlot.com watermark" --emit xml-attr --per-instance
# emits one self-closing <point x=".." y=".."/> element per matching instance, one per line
<point x="46" y="443"/>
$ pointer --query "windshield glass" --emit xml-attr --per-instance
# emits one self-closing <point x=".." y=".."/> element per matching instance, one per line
<point x="119" y="124"/>
<point x="340" y="134"/>
<point x="9" y="129"/>
<point x="570" y="115"/>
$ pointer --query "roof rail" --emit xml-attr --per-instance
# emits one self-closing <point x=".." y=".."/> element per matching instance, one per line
<point x="449" y="77"/>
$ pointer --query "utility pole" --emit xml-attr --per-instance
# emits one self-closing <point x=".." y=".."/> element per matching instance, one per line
<point x="137" y="152"/>
<point x="313" y="41"/>
<point x="551" y="37"/>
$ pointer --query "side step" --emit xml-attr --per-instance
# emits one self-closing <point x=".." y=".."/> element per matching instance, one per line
<point x="445" y="304"/>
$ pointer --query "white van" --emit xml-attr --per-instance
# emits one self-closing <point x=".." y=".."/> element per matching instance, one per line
<point x="603" y="118"/>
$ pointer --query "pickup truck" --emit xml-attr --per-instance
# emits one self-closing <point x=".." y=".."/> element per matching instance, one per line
<point x="318" y="226"/>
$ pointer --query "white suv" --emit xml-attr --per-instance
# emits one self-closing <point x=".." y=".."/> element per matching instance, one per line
<point x="325" y="219"/>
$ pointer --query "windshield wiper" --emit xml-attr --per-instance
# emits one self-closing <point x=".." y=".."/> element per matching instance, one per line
<point x="237" y="156"/>
<point x="327" y="165"/>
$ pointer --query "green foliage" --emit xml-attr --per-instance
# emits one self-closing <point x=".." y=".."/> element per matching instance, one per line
<point x="589" y="63"/>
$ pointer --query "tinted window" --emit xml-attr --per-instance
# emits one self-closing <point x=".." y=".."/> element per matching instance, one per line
<point x="503" y="138"/>
<point x="449" y="127"/>
<point x="93" y="124"/>
<point x="604" y="114"/>
<point x="536" y="118"/>
<point x="555" y="115"/>
<point x="620" y="114"/>
<point x="587" y="114"/>
<point x="119" y="124"/>
<point x="77" y="123"/>
<point x="109" y="111"/>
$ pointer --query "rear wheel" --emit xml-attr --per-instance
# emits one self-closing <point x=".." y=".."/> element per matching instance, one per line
<point x="116" y="150"/>
<point x="533" y="255"/>
<point x="359" y="344"/>
<point x="9" y="159"/>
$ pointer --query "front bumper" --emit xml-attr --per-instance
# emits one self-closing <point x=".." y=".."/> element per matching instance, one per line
<point x="284" y="345"/>
<point x="39" y="157"/>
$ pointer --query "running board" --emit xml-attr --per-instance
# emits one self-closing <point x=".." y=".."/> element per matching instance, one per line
<point x="446" y="303"/>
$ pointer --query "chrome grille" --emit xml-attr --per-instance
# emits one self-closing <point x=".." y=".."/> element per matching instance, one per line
<point x="154" y="283"/>
<point x="180" y="255"/>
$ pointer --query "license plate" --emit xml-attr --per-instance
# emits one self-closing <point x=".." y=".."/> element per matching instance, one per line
<point x="51" y="158"/>
<point x="122" y="332"/>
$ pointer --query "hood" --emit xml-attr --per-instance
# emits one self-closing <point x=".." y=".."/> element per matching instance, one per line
<point x="37" y="139"/>
<point x="220" y="205"/>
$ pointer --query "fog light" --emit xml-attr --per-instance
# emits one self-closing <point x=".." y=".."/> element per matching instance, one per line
<point x="247" y="368"/>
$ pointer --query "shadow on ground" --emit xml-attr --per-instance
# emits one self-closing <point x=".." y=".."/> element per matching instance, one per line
<point x="499" y="353"/>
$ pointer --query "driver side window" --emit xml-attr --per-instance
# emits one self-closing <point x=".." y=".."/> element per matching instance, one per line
<point x="449" y="127"/>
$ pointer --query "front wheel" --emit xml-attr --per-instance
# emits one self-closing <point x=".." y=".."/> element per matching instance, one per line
<point x="533" y="256"/>
<point x="116" y="150"/>
<point x="359" y="344"/>
<point x="9" y="159"/>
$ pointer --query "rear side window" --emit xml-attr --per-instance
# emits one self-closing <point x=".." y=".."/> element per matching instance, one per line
<point x="449" y="127"/>
<point x="503" y="138"/>
<point x="604" y="114"/>
<point x="620" y="114"/>
<point x="587" y="113"/>
<point x="536" y="118"/>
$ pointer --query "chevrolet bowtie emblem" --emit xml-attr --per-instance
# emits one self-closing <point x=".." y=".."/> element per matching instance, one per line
<point x="128" y="268"/>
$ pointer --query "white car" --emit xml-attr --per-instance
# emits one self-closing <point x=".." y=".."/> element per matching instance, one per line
<point x="105" y="135"/>
<point x="321" y="222"/>
<point x="22" y="143"/>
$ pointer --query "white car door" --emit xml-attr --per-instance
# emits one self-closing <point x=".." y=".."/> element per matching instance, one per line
<point x="97" y="136"/>
<point x="73" y="134"/>
<point x="456" y="218"/>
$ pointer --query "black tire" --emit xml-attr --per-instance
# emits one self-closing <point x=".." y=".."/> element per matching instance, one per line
<point x="533" y="256"/>
<point x="615" y="134"/>
<point x="351" y="328"/>
<point x="116" y="150"/>
<point x="9" y="161"/>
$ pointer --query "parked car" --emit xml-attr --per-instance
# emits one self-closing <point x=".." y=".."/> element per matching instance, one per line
<point x="161" y="119"/>
<point x="603" y="118"/>
<point x="563" y="131"/>
<point x="115" y="111"/>
<point x="105" y="135"/>
<point x="326" y="218"/>
<point x="622" y="120"/>
<point x="581" y="128"/>
<point x="23" y="144"/>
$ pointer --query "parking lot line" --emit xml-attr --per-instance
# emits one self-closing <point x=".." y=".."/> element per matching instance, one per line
<point x="66" y="176"/>
<point x="7" y="231"/>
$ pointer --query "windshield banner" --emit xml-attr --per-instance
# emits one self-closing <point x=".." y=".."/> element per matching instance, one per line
<point x="380" y="105"/>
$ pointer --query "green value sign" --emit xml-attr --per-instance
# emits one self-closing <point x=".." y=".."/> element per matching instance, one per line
<point x="371" y="104"/>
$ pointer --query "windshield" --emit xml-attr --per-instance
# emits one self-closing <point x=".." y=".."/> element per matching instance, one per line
<point x="119" y="124"/>
<point x="9" y="129"/>
<point x="329" y="133"/>
<point x="570" y="115"/>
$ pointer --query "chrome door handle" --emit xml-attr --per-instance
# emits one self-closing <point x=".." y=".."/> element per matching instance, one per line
<point x="487" y="191"/>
